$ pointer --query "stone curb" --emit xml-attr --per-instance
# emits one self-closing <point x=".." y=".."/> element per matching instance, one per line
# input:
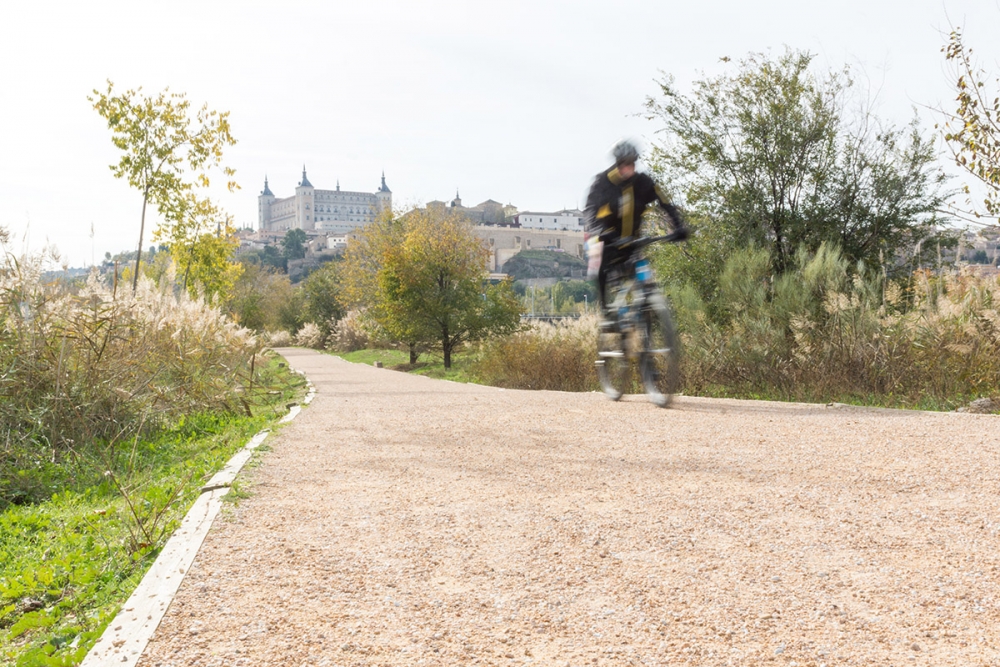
<point x="126" y="637"/>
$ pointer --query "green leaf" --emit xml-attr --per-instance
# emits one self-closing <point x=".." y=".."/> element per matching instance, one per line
<point x="35" y="619"/>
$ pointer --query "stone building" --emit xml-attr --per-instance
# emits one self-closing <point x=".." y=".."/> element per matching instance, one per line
<point x="505" y="242"/>
<point x="489" y="212"/>
<point x="497" y="226"/>
<point x="313" y="210"/>
<point x="566" y="220"/>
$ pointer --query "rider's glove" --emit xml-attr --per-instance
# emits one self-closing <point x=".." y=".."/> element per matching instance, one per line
<point x="682" y="233"/>
<point x="676" y="217"/>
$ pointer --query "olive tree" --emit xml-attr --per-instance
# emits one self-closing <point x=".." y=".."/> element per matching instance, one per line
<point x="771" y="155"/>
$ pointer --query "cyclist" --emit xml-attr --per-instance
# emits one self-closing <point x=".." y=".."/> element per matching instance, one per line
<point x="617" y="200"/>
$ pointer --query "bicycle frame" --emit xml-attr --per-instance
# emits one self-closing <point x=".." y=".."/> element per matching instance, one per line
<point x="640" y="329"/>
<point x="632" y="292"/>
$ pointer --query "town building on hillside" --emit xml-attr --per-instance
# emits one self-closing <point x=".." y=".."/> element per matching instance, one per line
<point x="497" y="225"/>
<point x="313" y="210"/>
<point x="565" y="220"/>
<point x="489" y="212"/>
<point x="505" y="242"/>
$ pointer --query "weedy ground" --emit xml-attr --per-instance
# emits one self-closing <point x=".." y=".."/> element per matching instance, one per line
<point x="68" y="563"/>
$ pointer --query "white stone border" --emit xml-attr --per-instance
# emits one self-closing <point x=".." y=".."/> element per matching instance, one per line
<point x="126" y="637"/>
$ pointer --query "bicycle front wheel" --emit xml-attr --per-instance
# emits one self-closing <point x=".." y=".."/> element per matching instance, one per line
<point x="612" y="364"/>
<point x="660" y="358"/>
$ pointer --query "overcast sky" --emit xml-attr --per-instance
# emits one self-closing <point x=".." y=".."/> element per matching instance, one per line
<point x="517" y="101"/>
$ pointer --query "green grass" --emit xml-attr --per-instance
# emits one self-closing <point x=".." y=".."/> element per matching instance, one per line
<point x="68" y="564"/>
<point x="429" y="363"/>
<point x="432" y="365"/>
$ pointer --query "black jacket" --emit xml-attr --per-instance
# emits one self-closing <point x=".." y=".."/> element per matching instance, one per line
<point x="615" y="205"/>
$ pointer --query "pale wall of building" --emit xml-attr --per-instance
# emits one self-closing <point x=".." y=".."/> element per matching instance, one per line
<point x="505" y="242"/>
<point x="569" y="220"/>
<point x="310" y="209"/>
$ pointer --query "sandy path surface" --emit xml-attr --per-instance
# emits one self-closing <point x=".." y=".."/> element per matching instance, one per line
<point x="407" y="521"/>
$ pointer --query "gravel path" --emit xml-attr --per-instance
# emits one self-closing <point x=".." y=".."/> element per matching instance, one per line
<point x="407" y="521"/>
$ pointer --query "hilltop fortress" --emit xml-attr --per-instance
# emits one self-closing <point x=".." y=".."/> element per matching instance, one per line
<point x="312" y="210"/>
<point x="332" y="218"/>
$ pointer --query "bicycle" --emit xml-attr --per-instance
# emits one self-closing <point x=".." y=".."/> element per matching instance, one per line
<point x="639" y="328"/>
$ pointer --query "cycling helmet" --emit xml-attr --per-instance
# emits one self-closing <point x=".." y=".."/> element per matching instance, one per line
<point x="625" y="151"/>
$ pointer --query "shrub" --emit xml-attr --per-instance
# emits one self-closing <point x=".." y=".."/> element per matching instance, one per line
<point x="279" y="339"/>
<point x="542" y="356"/>
<point x="100" y="364"/>
<point x="310" y="335"/>
<point x="348" y="334"/>
<point x="259" y="299"/>
<point x="822" y="331"/>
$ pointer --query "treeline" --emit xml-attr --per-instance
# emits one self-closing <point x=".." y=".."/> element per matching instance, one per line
<point x="776" y="165"/>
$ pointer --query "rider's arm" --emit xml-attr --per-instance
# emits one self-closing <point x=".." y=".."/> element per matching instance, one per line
<point x="674" y="213"/>
<point x="598" y="216"/>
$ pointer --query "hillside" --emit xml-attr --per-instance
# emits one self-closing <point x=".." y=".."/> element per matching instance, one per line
<point x="544" y="264"/>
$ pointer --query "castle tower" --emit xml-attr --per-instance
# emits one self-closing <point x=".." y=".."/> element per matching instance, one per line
<point x="305" y="204"/>
<point x="384" y="196"/>
<point x="264" y="207"/>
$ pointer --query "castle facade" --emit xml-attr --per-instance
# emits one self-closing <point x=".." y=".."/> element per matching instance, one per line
<point x="312" y="210"/>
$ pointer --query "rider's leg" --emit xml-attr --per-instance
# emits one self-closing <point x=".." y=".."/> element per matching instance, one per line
<point x="602" y="284"/>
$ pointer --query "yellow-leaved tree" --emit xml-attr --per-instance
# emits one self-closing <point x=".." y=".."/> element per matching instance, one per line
<point x="203" y="243"/>
<point x="422" y="278"/>
<point x="165" y="151"/>
<point x="973" y="129"/>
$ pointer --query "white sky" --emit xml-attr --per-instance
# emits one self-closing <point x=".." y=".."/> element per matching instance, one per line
<point x="517" y="100"/>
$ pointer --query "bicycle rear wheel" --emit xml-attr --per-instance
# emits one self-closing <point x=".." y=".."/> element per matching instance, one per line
<point x="612" y="363"/>
<point x="660" y="359"/>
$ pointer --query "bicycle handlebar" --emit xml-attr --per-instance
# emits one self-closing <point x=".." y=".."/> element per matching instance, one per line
<point x="675" y="236"/>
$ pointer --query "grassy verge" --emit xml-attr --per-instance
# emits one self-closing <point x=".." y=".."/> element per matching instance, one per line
<point x="561" y="358"/>
<point x="429" y="364"/>
<point x="67" y="564"/>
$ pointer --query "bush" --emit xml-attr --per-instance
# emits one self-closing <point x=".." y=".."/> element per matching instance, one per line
<point x="259" y="299"/>
<point x="321" y="295"/>
<point x="823" y="331"/>
<point x="279" y="339"/>
<point x="348" y="334"/>
<point x="542" y="356"/>
<point x="100" y="364"/>
<point x="310" y="335"/>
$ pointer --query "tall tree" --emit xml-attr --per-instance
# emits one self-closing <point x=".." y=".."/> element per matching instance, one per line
<point x="769" y="156"/>
<point x="166" y="151"/>
<point x="430" y="282"/>
<point x="973" y="130"/>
